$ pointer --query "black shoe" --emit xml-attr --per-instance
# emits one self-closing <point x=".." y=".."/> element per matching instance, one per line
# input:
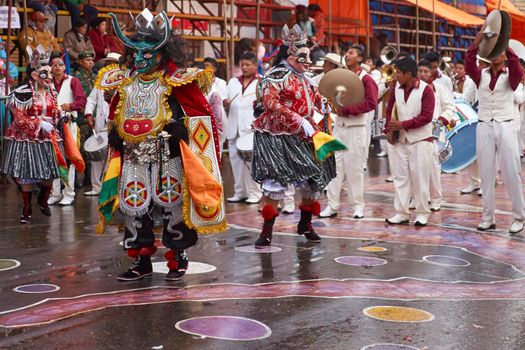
<point x="265" y="237"/>
<point x="45" y="211"/>
<point x="181" y="260"/>
<point x="312" y="236"/>
<point x="25" y="219"/>
<point x="140" y="269"/>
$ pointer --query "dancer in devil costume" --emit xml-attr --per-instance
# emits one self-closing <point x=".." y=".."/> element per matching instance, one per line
<point x="164" y="148"/>
<point x="32" y="140"/>
<point x="283" y="150"/>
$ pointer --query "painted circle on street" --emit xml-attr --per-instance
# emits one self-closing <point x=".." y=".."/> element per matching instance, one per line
<point x="360" y="261"/>
<point x="37" y="288"/>
<point x="388" y="346"/>
<point x="8" y="264"/>
<point x="252" y="249"/>
<point x="398" y="314"/>
<point x="372" y="249"/>
<point x="444" y="260"/>
<point x="194" y="267"/>
<point x="225" y="327"/>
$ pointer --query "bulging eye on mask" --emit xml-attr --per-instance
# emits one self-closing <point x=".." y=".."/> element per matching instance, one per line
<point x="44" y="74"/>
<point x="303" y="56"/>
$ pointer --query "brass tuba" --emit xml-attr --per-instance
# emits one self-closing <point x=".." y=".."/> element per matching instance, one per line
<point x="388" y="54"/>
<point x="387" y="73"/>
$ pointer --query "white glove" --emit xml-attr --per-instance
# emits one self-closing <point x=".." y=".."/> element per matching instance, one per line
<point x="46" y="127"/>
<point x="307" y="128"/>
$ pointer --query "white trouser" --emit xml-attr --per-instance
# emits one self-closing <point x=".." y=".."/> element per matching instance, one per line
<point x="436" y="193"/>
<point x="474" y="173"/>
<point x="289" y="196"/>
<point x="96" y="172"/>
<point x="349" y="164"/>
<point x="369" y="118"/>
<point x="411" y="164"/>
<point x="244" y="186"/>
<point x="69" y="190"/>
<point x="497" y="142"/>
<point x="517" y="126"/>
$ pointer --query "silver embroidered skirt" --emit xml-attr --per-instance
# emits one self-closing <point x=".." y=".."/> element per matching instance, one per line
<point x="33" y="161"/>
<point x="287" y="159"/>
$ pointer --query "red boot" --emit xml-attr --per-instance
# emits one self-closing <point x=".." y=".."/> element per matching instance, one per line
<point x="43" y="196"/>
<point x="27" y="211"/>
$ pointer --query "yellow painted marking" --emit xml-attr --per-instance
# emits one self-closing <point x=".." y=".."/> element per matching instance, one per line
<point x="373" y="249"/>
<point x="398" y="314"/>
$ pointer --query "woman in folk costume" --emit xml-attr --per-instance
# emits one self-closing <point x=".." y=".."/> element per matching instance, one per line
<point x="31" y="140"/>
<point x="283" y="150"/>
<point x="164" y="148"/>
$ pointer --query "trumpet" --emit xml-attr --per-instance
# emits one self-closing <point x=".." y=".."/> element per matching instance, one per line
<point x="388" y="54"/>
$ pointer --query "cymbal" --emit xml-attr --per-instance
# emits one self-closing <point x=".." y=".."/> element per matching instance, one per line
<point x="496" y="30"/>
<point x="344" y="81"/>
<point x="518" y="48"/>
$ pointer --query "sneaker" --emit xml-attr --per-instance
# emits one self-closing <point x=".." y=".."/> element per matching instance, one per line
<point x="517" y="226"/>
<point x="389" y="179"/>
<point x="140" y="269"/>
<point x="486" y="225"/>
<point x="236" y="199"/>
<point x="382" y="154"/>
<point x="251" y="200"/>
<point x="312" y="236"/>
<point x="470" y="188"/>
<point x="66" y="201"/>
<point x="91" y="193"/>
<point x="359" y="213"/>
<point x="421" y="220"/>
<point x="54" y="200"/>
<point x="288" y="208"/>
<point x="435" y="206"/>
<point x="25" y="219"/>
<point x="328" y="212"/>
<point x="397" y="219"/>
<point x="480" y="193"/>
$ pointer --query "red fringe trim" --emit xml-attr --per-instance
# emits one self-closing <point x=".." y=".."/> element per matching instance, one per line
<point x="314" y="208"/>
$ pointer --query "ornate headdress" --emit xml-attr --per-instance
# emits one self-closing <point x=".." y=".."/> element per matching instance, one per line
<point x="293" y="38"/>
<point x="148" y="26"/>
<point x="38" y="57"/>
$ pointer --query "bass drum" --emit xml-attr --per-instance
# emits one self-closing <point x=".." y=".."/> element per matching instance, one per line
<point x="245" y="147"/>
<point x="463" y="142"/>
<point x="96" y="147"/>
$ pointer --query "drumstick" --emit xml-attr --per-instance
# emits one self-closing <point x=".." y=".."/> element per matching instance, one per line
<point x="234" y="97"/>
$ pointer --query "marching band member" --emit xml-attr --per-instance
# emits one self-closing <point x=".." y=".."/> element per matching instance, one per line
<point x="241" y="94"/>
<point x="444" y="114"/>
<point x="412" y="151"/>
<point x="466" y="88"/>
<point x="438" y="77"/>
<point x="496" y="138"/>
<point x="350" y="128"/>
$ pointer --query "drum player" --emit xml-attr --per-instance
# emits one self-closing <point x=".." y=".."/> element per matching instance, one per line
<point x="496" y="138"/>
<point x="444" y="114"/>
<point x="99" y="123"/>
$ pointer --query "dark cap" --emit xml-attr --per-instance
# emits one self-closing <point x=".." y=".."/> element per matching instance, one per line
<point x="86" y="54"/>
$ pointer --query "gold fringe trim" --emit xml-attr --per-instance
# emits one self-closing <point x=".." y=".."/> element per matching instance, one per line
<point x="203" y="78"/>
<point x="186" y="215"/>
<point x="101" y="76"/>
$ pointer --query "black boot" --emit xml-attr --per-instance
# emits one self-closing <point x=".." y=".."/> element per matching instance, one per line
<point x="141" y="268"/>
<point x="27" y="211"/>
<point x="177" y="263"/>
<point x="305" y="223"/>
<point x="42" y="199"/>
<point x="265" y="237"/>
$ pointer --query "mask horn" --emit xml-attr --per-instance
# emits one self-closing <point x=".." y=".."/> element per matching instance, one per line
<point x="119" y="32"/>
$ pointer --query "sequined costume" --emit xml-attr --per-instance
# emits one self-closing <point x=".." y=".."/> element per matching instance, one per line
<point x="32" y="151"/>
<point x="162" y="131"/>
<point x="283" y="151"/>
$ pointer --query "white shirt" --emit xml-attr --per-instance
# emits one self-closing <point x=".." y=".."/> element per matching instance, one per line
<point x="240" y="115"/>
<point x="96" y="100"/>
